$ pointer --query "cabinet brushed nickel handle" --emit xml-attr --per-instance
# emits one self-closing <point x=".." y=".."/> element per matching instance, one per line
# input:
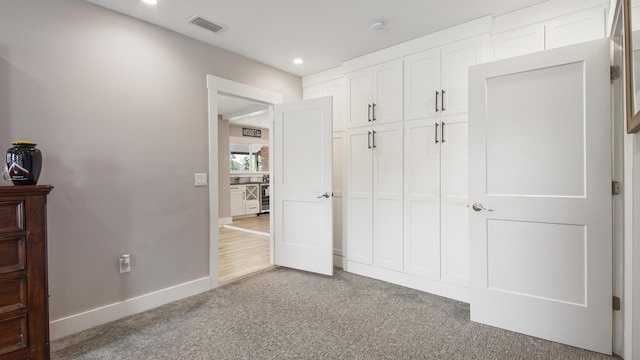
<point x="436" y="133"/>
<point x="437" y="93"/>
<point x="373" y="136"/>
<point x="368" y="112"/>
<point x="373" y="111"/>
<point x="369" y="139"/>
<point x="443" y="109"/>
<point x="443" y="124"/>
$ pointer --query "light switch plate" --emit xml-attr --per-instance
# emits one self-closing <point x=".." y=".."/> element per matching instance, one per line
<point x="201" y="179"/>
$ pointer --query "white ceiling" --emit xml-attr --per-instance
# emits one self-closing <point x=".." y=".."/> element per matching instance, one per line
<point x="323" y="32"/>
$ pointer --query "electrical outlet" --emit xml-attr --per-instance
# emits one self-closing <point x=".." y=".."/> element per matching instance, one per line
<point x="200" y="179"/>
<point x="125" y="263"/>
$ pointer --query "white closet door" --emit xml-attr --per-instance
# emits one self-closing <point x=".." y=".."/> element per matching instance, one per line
<point x="422" y="198"/>
<point x="454" y="199"/>
<point x="387" y="197"/>
<point x="541" y="235"/>
<point x="359" y="196"/>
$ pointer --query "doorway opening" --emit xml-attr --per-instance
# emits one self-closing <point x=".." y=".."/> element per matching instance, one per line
<point x="244" y="238"/>
<point x="232" y="99"/>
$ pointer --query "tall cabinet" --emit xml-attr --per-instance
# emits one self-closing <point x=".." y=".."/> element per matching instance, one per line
<point x="435" y="172"/>
<point x="24" y="307"/>
<point x="407" y="168"/>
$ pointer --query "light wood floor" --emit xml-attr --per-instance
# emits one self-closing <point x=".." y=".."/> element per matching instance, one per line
<point x="241" y="253"/>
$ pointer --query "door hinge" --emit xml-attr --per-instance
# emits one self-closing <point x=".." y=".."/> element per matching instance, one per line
<point x="615" y="72"/>
<point x="615" y="188"/>
<point x="616" y="303"/>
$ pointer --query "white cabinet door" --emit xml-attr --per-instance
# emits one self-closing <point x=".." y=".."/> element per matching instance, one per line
<point x="455" y="62"/>
<point x="541" y="234"/>
<point x="422" y="85"/>
<point x="339" y="147"/>
<point x="387" y="101"/>
<point x="374" y="95"/>
<point x="359" y="196"/>
<point x="359" y="87"/>
<point x="436" y="80"/>
<point x="454" y="213"/>
<point x="576" y="28"/>
<point x="237" y="200"/>
<point x="374" y="220"/>
<point x="422" y="198"/>
<point x="335" y="89"/>
<point x="520" y="41"/>
<point x="387" y="150"/>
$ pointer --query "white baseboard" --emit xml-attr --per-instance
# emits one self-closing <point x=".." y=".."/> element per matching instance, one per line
<point x="224" y="221"/>
<point x="436" y="287"/>
<point x="75" y="323"/>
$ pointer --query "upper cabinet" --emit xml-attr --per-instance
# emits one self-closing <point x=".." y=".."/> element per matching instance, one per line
<point x="435" y="81"/>
<point x="573" y="28"/>
<point x="335" y="89"/>
<point x="374" y="95"/>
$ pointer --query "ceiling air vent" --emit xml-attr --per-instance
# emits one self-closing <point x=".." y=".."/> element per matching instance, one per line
<point x="206" y="24"/>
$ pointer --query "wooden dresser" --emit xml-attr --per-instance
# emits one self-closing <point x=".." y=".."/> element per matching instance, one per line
<point x="24" y="306"/>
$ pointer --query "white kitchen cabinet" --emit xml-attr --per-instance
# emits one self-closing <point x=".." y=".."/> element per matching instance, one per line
<point x="374" y="95"/>
<point x="245" y="199"/>
<point x="237" y="200"/>
<point x="374" y="196"/>
<point x="251" y="207"/>
<point x="435" y="81"/>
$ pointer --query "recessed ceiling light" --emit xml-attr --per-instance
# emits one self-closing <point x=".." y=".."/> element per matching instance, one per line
<point x="150" y="2"/>
<point x="298" y="61"/>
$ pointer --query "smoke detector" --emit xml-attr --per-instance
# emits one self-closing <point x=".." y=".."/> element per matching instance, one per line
<point x="377" y="25"/>
<point x="198" y="20"/>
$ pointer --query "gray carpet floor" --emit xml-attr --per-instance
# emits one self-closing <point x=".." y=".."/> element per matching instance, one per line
<point x="288" y="314"/>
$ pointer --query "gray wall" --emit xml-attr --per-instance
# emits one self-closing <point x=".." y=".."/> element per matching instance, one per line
<point x="119" y="109"/>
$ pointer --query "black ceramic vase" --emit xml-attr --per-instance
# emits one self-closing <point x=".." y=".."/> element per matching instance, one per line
<point x="24" y="162"/>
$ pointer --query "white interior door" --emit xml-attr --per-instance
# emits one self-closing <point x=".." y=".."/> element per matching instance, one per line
<point x="302" y="149"/>
<point x="540" y="185"/>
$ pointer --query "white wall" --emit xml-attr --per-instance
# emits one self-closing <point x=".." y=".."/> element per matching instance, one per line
<point x="119" y="109"/>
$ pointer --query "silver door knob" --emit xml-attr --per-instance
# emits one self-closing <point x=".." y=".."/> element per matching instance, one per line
<point x="478" y="207"/>
<point x="325" y="195"/>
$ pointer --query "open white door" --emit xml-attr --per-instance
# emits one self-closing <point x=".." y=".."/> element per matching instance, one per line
<point x="301" y="183"/>
<point x="540" y="195"/>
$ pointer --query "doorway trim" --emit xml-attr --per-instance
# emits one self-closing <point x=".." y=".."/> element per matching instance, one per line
<point x="215" y="86"/>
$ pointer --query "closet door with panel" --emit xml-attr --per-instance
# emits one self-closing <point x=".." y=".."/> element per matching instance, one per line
<point x="375" y="226"/>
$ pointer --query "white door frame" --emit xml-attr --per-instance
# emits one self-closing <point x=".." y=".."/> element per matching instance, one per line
<point x="215" y="86"/>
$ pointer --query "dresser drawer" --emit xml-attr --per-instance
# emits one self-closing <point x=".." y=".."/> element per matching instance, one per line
<point x="12" y="254"/>
<point x="11" y="216"/>
<point x="13" y="294"/>
<point x="13" y="333"/>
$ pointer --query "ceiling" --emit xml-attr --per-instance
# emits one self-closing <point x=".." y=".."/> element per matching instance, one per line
<point x="324" y="33"/>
